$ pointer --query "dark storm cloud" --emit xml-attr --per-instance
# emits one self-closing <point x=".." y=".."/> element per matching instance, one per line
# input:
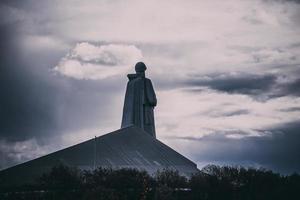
<point x="279" y="149"/>
<point x="255" y="85"/>
<point x="236" y="112"/>
<point x="250" y="84"/>
<point x="296" y="1"/>
<point x="31" y="107"/>
<point x="292" y="88"/>
<point x="37" y="103"/>
<point x="230" y="113"/>
<point x="218" y="112"/>
<point x="42" y="110"/>
<point x="19" y="107"/>
<point x="27" y="103"/>
<point x="291" y="109"/>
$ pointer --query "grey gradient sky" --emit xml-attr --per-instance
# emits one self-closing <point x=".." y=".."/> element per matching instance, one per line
<point x="226" y="73"/>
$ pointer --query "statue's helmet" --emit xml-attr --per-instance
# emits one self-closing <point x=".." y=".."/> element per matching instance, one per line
<point x="140" y="67"/>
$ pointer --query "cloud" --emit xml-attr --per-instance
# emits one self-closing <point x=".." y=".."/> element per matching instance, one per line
<point x="251" y="84"/>
<point x="217" y="113"/>
<point x="21" y="151"/>
<point x="279" y="150"/>
<point x="9" y="15"/>
<point x="291" y="109"/>
<point x="261" y="87"/>
<point x="209" y="111"/>
<point x="89" y="61"/>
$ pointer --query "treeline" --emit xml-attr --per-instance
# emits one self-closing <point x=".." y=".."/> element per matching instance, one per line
<point x="211" y="183"/>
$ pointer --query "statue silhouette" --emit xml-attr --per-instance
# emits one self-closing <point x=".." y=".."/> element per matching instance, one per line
<point x="140" y="100"/>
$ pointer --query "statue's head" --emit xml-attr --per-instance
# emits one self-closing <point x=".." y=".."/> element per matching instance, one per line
<point x="140" y="67"/>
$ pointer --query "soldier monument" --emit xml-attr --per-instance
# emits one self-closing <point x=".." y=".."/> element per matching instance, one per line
<point x="140" y="100"/>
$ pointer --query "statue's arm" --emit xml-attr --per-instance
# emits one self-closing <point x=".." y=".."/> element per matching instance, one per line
<point x="150" y="93"/>
<point x="131" y="76"/>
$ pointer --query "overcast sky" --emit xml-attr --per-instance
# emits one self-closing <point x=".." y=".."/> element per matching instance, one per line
<point x="226" y="74"/>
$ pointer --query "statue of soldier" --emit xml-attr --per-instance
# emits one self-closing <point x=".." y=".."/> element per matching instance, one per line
<point x="140" y="100"/>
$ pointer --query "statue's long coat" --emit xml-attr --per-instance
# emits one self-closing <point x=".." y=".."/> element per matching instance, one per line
<point x="140" y="99"/>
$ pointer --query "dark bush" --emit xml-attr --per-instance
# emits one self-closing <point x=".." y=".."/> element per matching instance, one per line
<point x="61" y="177"/>
<point x="212" y="182"/>
<point x="170" y="178"/>
<point x="124" y="183"/>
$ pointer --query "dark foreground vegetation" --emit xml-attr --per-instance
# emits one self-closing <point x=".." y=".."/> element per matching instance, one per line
<point x="212" y="182"/>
